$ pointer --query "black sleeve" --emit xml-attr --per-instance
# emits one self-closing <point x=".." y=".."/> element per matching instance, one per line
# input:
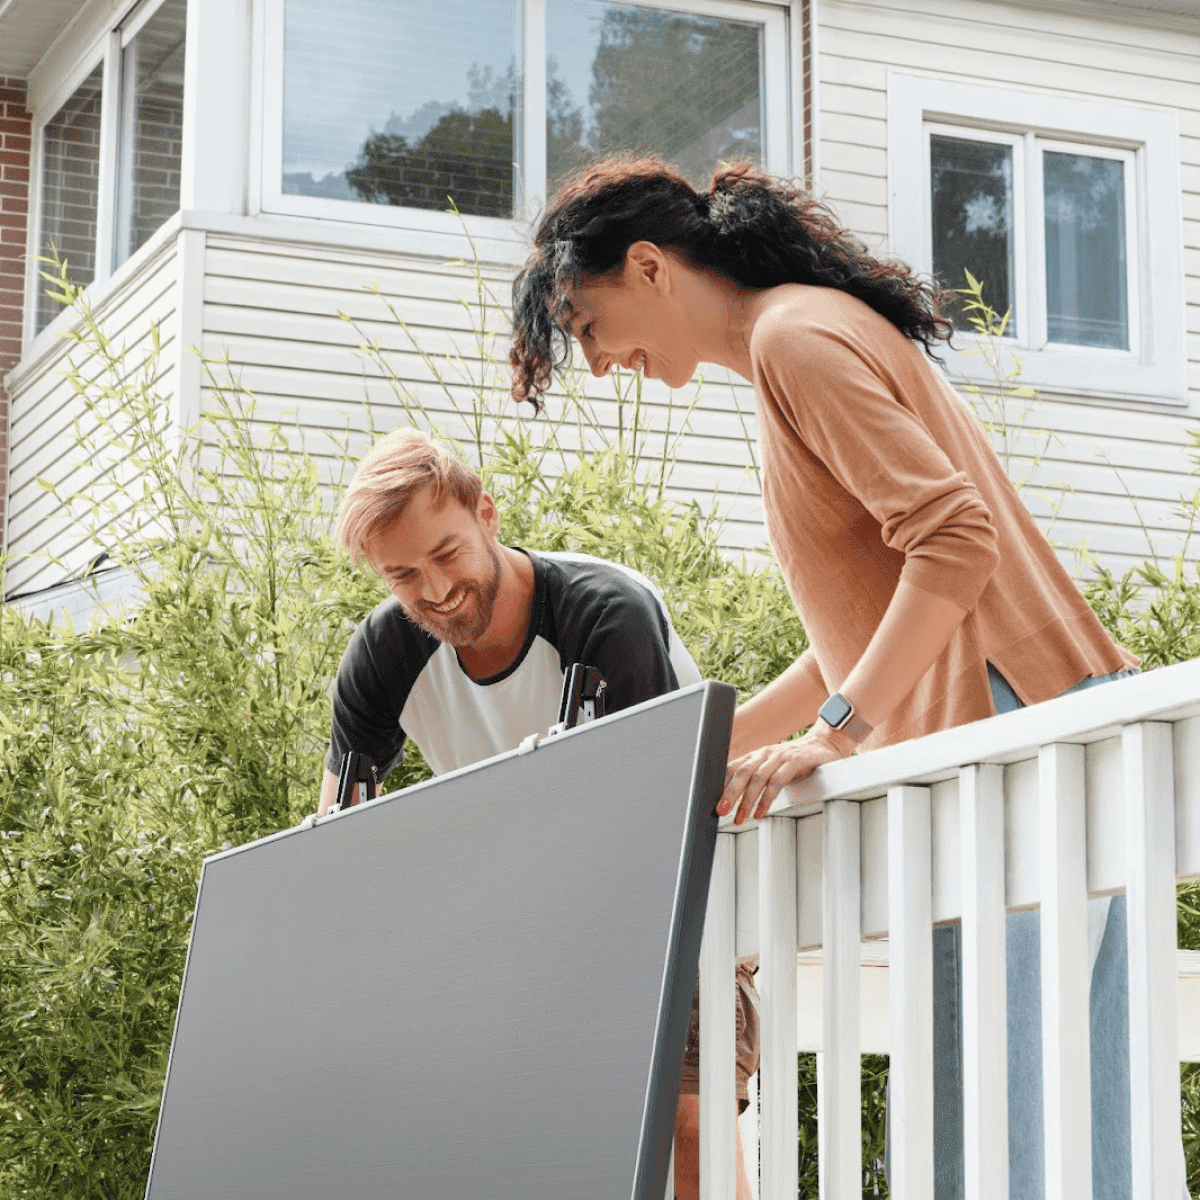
<point x="370" y="691"/>
<point x="627" y="643"/>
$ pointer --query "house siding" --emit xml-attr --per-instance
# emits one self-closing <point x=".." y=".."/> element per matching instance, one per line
<point x="1108" y="474"/>
<point x="274" y="309"/>
<point x="15" y="141"/>
<point x="1110" y="478"/>
<point x="46" y="543"/>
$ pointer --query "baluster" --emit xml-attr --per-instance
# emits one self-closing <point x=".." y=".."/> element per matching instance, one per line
<point x="840" y="1086"/>
<point x="718" y="1092"/>
<point x="985" y="1040"/>
<point x="1153" y="998"/>
<point x="779" y="1117"/>
<point x="1066" y="975"/>
<point x="910" y="966"/>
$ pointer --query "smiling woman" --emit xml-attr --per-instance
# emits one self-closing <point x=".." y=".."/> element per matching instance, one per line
<point x="928" y="594"/>
<point x="914" y="565"/>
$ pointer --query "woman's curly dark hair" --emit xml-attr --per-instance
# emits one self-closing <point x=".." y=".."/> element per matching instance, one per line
<point x="751" y="228"/>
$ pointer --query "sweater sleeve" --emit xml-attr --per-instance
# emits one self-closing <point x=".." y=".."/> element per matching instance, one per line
<point x="876" y="448"/>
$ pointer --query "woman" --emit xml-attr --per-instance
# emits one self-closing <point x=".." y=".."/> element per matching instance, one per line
<point x="928" y="594"/>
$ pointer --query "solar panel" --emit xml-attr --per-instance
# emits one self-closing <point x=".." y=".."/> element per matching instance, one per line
<point x="474" y="989"/>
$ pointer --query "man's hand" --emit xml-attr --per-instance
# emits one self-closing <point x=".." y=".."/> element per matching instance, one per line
<point x="753" y="781"/>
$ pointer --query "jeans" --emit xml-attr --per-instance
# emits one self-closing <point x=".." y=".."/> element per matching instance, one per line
<point x="1109" y="1028"/>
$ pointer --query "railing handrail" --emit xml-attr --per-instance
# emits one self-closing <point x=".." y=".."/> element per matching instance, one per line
<point x="1095" y="791"/>
<point x="1095" y="714"/>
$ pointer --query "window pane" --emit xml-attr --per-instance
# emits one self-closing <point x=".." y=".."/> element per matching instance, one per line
<point x="70" y="166"/>
<point x="401" y="102"/>
<point x="621" y="77"/>
<point x="1087" y="302"/>
<point x="971" y="186"/>
<point x="151" y="145"/>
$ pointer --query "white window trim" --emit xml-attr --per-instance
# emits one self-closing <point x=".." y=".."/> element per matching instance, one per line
<point x="1155" y="368"/>
<point x="98" y="37"/>
<point x="530" y="199"/>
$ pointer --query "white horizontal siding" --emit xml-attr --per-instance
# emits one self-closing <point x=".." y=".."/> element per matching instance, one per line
<point x="275" y="308"/>
<point x="47" y="545"/>
<point x="1112" y="475"/>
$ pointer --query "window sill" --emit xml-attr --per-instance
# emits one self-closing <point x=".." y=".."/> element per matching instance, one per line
<point x="1061" y="371"/>
<point x="440" y="236"/>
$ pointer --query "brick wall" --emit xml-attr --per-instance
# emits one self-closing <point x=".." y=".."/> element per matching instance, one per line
<point x="15" y="141"/>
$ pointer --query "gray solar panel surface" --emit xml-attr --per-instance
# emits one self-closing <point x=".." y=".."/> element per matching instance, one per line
<point x="473" y="990"/>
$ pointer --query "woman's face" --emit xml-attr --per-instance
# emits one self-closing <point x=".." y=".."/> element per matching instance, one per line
<point x="633" y="318"/>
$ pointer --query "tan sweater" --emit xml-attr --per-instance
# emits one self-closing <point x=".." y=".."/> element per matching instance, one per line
<point x="875" y="470"/>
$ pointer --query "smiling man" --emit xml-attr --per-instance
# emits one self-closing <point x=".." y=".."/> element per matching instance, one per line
<point x="468" y="654"/>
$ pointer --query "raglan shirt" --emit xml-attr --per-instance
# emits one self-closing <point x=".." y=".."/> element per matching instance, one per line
<point x="874" y="471"/>
<point x="397" y="681"/>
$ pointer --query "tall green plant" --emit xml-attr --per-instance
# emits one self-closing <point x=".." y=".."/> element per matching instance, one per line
<point x="197" y="716"/>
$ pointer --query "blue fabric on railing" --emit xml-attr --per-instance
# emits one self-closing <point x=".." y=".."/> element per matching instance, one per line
<point x="1112" y="1171"/>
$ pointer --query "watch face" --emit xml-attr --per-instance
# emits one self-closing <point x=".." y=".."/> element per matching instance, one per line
<point x="836" y="710"/>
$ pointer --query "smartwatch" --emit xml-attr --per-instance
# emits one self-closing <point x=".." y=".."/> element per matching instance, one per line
<point x="838" y="713"/>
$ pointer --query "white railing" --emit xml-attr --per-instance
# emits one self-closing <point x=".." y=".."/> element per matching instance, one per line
<point x="1094" y="793"/>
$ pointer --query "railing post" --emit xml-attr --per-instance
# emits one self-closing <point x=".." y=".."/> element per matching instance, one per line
<point x="779" y="1118"/>
<point x="1153" y="999"/>
<point x="839" y="1120"/>
<point x="910" y="966"/>
<point x="984" y="982"/>
<point x="718" y="1096"/>
<point x="1066" y="974"/>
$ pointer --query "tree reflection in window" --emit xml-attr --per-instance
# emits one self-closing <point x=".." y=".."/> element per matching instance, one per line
<point x="465" y="156"/>
<point x="682" y="86"/>
<point x="971" y="189"/>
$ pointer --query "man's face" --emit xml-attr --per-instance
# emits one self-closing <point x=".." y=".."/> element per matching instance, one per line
<point x="440" y="563"/>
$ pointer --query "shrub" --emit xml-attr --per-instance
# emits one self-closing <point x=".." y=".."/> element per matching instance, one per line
<point x="197" y="718"/>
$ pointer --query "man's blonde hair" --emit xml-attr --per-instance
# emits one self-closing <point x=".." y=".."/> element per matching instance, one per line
<point x="396" y="468"/>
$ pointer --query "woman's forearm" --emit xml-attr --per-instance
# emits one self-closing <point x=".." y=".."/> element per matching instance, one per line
<point x="914" y="631"/>
<point x="785" y="705"/>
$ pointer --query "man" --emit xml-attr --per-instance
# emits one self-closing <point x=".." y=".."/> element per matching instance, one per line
<point x="467" y="656"/>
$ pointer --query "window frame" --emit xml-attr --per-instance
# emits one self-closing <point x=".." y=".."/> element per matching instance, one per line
<point x="123" y="103"/>
<point x="1155" y="366"/>
<point x="103" y="47"/>
<point x="530" y="133"/>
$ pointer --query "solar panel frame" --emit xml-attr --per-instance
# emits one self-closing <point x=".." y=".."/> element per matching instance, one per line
<point x="647" y="781"/>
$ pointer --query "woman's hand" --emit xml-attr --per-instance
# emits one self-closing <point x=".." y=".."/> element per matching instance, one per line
<point x="753" y="781"/>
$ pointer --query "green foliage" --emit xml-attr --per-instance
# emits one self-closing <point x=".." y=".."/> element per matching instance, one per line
<point x="1004" y="404"/>
<point x="197" y="717"/>
<point x="874" y="1117"/>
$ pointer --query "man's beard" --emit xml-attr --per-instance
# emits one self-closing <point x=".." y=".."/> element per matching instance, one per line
<point x="462" y="628"/>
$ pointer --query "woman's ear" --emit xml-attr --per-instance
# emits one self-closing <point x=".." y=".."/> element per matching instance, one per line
<point x="645" y="263"/>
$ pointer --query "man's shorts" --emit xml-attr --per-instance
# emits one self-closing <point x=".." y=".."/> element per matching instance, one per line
<point x="746" y="1043"/>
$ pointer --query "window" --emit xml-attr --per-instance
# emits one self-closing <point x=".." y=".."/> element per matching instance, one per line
<point x="70" y="187"/>
<point x="127" y="111"/>
<point x="389" y="110"/>
<point x="367" y="120"/>
<point x="150" y="145"/>
<point x="1078" y="218"/>
<point x="1067" y="211"/>
<point x="626" y="77"/>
